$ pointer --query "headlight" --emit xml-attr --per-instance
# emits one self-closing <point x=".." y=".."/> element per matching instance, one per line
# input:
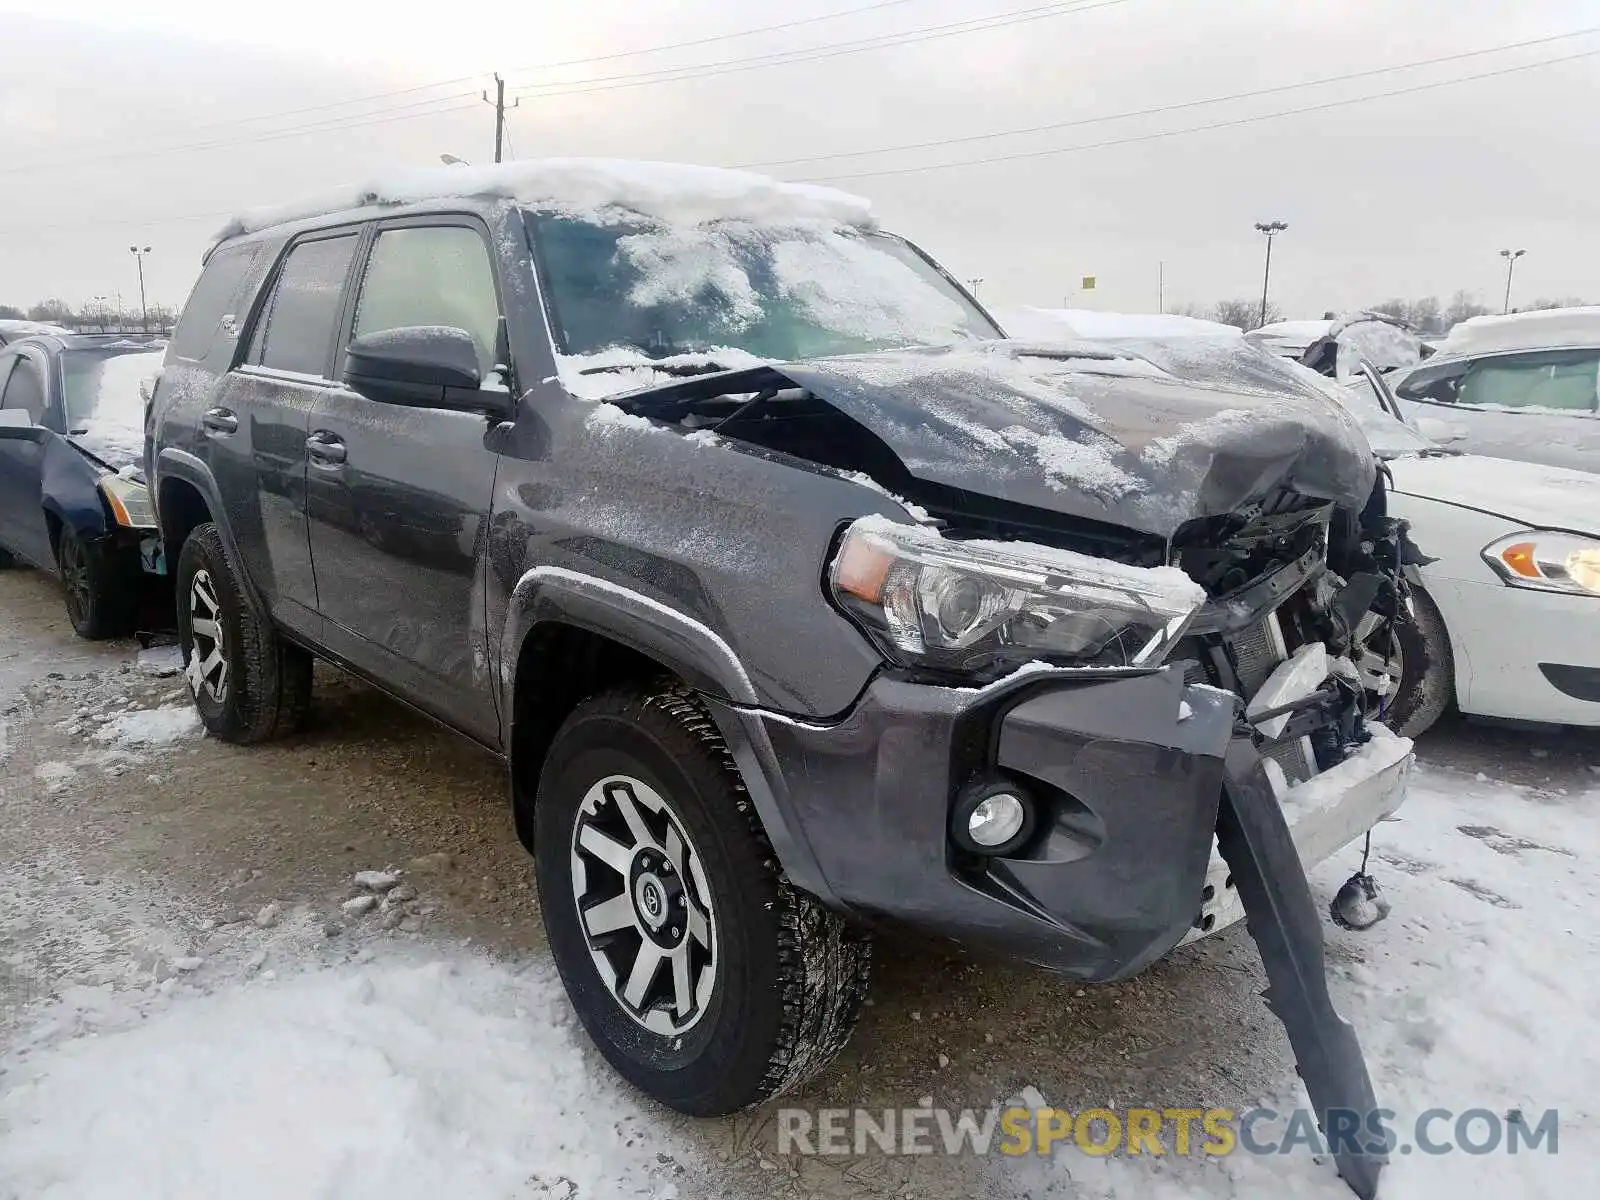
<point x="129" y="501"/>
<point x="980" y="608"/>
<point x="1549" y="562"/>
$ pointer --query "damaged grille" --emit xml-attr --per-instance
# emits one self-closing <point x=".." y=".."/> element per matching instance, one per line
<point x="1256" y="654"/>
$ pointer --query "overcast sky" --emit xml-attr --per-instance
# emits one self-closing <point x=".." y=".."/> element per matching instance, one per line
<point x="122" y="126"/>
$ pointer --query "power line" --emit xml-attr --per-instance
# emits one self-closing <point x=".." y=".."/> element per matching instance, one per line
<point x="717" y="37"/>
<point x="1170" y="133"/>
<point x="926" y="33"/>
<point x="1168" y="108"/>
<point x="234" y="122"/>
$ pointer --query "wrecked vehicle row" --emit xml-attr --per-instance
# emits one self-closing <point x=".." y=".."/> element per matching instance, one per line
<point x="795" y="600"/>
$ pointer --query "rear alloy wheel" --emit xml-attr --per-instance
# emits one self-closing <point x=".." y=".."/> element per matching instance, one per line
<point x="1406" y="666"/>
<point x="248" y="683"/>
<point x="705" y="978"/>
<point x="102" y="593"/>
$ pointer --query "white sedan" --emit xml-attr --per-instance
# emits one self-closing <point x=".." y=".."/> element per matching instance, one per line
<point x="1507" y="612"/>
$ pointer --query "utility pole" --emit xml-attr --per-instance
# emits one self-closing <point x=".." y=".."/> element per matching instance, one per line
<point x="1271" y="229"/>
<point x="1161" y="287"/>
<point x="499" y="103"/>
<point x="973" y="285"/>
<point x="1511" y="257"/>
<point x="144" y="311"/>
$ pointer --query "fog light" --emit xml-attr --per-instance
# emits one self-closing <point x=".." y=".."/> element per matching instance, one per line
<point x="992" y="818"/>
<point x="996" y="820"/>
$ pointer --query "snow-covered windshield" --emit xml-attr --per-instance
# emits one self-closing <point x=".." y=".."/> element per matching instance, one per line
<point x="775" y="290"/>
<point x="104" y="407"/>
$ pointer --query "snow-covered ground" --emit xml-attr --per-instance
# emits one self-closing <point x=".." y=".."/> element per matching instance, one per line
<point x="166" y="1030"/>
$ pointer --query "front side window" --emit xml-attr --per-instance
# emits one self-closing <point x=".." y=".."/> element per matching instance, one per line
<point x="1559" y="379"/>
<point x="26" y="389"/>
<point x="780" y="290"/>
<point x="432" y="275"/>
<point x="295" y="331"/>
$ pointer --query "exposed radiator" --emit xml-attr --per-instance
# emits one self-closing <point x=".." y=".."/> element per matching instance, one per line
<point x="1256" y="653"/>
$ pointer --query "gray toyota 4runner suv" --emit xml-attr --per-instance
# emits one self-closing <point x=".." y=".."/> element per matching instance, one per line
<point x="794" y="598"/>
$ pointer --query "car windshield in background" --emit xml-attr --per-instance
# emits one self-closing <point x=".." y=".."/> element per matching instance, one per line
<point x="1388" y="436"/>
<point x="104" y="408"/>
<point x="776" y="291"/>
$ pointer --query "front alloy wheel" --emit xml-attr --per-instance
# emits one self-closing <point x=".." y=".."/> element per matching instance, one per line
<point x="207" y="671"/>
<point x="642" y="894"/>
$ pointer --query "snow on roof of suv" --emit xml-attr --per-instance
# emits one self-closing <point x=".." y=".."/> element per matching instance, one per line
<point x="1542" y="330"/>
<point x="673" y="192"/>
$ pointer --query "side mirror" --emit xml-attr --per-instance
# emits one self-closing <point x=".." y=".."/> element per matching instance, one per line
<point x="17" y="426"/>
<point x="422" y="366"/>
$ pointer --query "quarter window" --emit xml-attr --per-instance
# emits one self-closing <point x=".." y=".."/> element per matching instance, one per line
<point x="431" y="275"/>
<point x="25" y="390"/>
<point x="295" y="331"/>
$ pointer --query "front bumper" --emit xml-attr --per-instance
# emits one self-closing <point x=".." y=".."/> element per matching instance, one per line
<point x="1128" y="772"/>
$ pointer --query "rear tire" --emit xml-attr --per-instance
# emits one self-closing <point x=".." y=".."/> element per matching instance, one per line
<point x="641" y="774"/>
<point x="249" y="684"/>
<point x="102" y="586"/>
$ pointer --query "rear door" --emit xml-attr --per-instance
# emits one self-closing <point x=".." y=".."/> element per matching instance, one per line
<point x="256" y="423"/>
<point x="398" y="497"/>
<point x="22" y="524"/>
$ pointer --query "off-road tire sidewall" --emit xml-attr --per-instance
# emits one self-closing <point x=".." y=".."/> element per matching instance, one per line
<point x="756" y="1037"/>
<point x="268" y="682"/>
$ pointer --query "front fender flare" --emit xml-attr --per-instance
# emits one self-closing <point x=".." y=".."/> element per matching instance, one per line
<point x="173" y="463"/>
<point x="692" y="651"/>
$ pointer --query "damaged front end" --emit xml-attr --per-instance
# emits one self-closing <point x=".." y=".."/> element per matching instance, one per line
<point x="1120" y="707"/>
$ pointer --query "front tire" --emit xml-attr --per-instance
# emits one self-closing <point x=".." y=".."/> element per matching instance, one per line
<point x="1414" y="654"/>
<point x="248" y="683"/>
<point x="102" y="587"/>
<point x="705" y="978"/>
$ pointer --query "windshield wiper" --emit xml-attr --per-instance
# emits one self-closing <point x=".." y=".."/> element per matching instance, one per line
<point x="684" y="370"/>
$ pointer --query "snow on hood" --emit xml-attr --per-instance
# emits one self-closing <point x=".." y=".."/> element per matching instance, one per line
<point x="1538" y="496"/>
<point x="1144" y="438"/>
<point x="676" y="193"/>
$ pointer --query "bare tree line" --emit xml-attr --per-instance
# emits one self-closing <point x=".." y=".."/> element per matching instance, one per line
<point x="1426" y="315"/>
<point x="92" y="317"/>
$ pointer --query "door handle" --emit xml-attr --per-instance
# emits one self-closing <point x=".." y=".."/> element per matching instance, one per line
<point x="325" y="448"/>
<point x="220" y="420"/>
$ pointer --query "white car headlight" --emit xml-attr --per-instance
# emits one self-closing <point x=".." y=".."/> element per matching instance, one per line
<point x="129" y="500"/>
<point x="981" y="608"/>
<point x="1548" y="562"/>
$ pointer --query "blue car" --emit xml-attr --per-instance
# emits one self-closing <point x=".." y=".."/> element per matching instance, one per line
<point x="72" y="494"/>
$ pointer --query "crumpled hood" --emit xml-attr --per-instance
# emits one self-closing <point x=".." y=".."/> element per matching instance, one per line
<point x="1531" y="494"/>
<point x="1144" y="435"/>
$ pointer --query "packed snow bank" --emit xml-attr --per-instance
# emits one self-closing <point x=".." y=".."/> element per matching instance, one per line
<point x="1055" y="324"/>
<point x="455" y="1077"/>
<point x="673" y="192"/>
<point x="151" y="727"/>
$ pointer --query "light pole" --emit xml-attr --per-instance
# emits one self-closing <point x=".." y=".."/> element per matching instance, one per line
<point x="144" y="312"/>
<point x="1511" y="257"/>
<point x="1272" y="229"/>
<point x="973" y="285"/>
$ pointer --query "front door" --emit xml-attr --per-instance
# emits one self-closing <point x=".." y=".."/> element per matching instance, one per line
<point x="398" y="497"/>
<point x="22" y="524"/>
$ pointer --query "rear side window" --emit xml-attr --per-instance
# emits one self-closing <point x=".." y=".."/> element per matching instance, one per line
<point x="219" y="295"/>
<point x="25" y="389"/>
<point x="431" y="275"/>
<point x="295" y="331"/>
